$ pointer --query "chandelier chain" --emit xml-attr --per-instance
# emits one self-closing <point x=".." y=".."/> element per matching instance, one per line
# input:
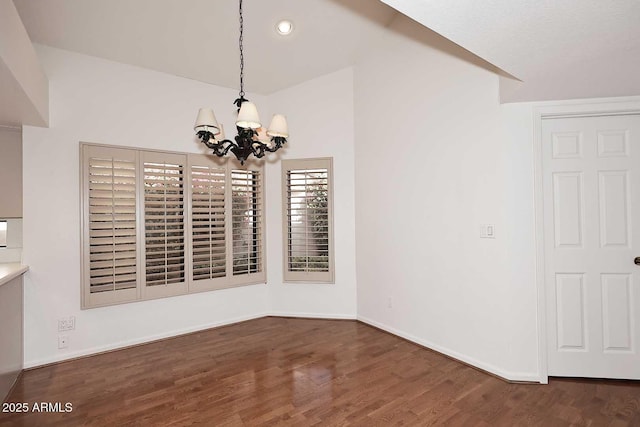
<point x="248" y="141"/>
<point x="241" y="54"/>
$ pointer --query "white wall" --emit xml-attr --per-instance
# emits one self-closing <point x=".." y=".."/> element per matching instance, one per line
<point x="10" y="173"/>
<point x="436" y="156"/>
<point x="417" y="213"/>
<point x="521" y="320"/>
<point x="105" y="102"/>
<point x="101" y="101"/>
<point x="320" y="117"/>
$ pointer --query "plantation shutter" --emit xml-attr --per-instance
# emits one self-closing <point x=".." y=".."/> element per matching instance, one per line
<point x="308" y="221"/>
<point x="247" y="223"/>
<point x="208" y="223"/>
<point x="158" y="224"/>
<point x="110" y="249"/>
<point x="164" y="224"/>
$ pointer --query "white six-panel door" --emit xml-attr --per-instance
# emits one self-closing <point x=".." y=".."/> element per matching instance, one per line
<point x="591" y="181"/>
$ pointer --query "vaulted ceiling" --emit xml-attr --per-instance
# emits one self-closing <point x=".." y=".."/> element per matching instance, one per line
<point x="553" y="49"/>
<point x="558" y="49"/>
<point x="198" y="39"/>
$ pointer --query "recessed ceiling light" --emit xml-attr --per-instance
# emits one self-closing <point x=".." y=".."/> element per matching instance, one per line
<point x="284" y="27"/>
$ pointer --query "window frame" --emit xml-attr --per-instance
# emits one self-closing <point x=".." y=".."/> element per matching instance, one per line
<point x="98" y="299"/>
<point x="189" y="285"/>
<point x="3" y="242"/>
<point x="288" y="276"/>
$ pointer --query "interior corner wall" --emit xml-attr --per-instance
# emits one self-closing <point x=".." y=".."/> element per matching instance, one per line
<point x="320" y="117"/>
<point x="436" y="156"/>
<point x="94" y="100"/>
<point x="423" y="273"/>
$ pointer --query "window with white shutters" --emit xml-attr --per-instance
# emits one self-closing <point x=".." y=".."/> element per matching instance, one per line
<point x="246" y="218"/>
<point x="158" y="224"/>
<point x="308" y="221"/>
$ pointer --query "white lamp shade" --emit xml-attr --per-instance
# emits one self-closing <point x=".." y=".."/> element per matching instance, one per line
<point x="262" y="135"/>
<point x="206" y="121"/>
<point x="220" y="135"/>
<point x="278" y="126"/>
<point x="248" y="116"/>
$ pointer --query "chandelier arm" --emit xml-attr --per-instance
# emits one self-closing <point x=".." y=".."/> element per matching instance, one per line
<point x="211" y="145"/>
<point x="258" y="149"/>
<point x="220" y="148"/>
<point x="278" y="142"/>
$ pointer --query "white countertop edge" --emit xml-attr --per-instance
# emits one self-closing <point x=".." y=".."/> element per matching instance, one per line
<point x="9" y="271"/>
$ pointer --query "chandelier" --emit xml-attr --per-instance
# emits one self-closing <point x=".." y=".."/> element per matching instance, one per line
<point x="251" y="138"/>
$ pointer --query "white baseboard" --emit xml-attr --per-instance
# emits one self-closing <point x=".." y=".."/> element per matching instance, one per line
<point x="510" y="376"/>
<point x="313" y="315"/>
<point x="144" y="340"/>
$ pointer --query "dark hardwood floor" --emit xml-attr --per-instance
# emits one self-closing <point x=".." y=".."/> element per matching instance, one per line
<point x="276" y="371"/>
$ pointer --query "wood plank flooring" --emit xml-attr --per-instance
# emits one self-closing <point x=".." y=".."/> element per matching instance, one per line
<point x="301" y="372"/>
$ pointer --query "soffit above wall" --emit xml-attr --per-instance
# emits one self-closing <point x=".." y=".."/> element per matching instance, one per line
<point x="558" y="49"/>
<point x="24" y="88"/>
<point x="198" y="39"/>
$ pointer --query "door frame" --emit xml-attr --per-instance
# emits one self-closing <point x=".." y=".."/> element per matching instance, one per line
<point x="564" y="109"/>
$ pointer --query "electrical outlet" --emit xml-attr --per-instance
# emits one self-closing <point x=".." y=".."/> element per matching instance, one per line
<point x="389" y="303"/>
<point x="63" y="341"/>
<point x="66" y="324"/>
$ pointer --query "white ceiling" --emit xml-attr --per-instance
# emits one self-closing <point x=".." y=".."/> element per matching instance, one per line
<point x="198" y="39"/>
<point x="559" y="49"/>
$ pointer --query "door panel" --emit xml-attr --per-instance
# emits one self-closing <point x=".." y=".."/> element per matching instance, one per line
<point x="614" y="201"/>
<point x="591" y="181"/>
<point x="567" y="212"/>
<point x="616" y="312"/>
<point x="570" y="309"/>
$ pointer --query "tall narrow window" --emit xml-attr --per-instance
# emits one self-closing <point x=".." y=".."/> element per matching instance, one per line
<point x="246" y="211"/>
<point x="110" y="226"/>
<point x="164" y="220"/>
<point x="308" y="220"/>
<point x="208" y="228"/>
